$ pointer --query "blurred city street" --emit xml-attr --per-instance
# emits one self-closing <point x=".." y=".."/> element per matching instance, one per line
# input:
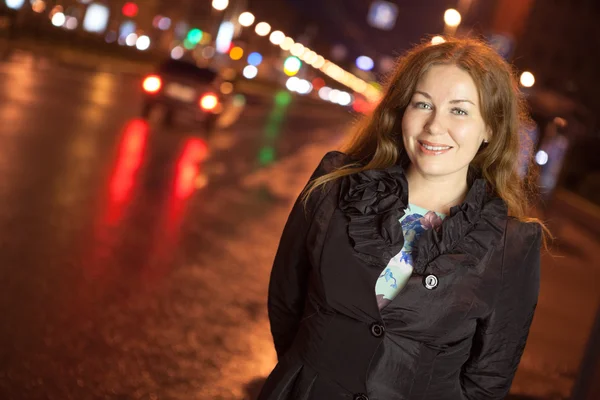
<point x="135" y="258"/>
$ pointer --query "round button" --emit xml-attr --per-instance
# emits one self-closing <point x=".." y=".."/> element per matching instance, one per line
<point x="377" y="330"/>
<point x="360" y="396"/>
<point x="430" y="282"/>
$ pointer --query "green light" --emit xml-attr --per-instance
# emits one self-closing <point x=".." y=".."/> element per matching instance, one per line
<point x="267" y="155"/>
<point x="292" y="64"/>
<point x="188" y="45"/>
<point x="195" y="36"/>
<point x="283" y="98"/>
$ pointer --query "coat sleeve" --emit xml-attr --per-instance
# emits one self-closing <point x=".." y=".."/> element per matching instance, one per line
<point x="500" y="338"/>
<point x="289" y="276"/>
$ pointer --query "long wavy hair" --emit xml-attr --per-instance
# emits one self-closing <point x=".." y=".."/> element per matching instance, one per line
<point x="376" y="140"/>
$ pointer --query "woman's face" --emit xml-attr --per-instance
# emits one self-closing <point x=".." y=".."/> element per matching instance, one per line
<point x="442" y="127"/>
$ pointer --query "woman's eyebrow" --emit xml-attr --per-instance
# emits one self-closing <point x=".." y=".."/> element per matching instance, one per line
<point x="451" y="101"/>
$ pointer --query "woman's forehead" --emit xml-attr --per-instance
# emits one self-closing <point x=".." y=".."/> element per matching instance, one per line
<point x="447" y="82"/>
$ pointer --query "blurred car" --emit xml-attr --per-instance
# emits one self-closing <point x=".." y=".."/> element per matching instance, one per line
<point x="180" y="89"/>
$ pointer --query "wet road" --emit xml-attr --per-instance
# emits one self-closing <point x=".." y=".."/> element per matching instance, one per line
<point x="133" y="264"/>
<point x="134" y="261"/>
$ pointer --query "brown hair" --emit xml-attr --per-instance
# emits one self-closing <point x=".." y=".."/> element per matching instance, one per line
<point x="377" y="139"/>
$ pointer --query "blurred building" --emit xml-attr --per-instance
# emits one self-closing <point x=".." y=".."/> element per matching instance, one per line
<point x="556" y="40"/>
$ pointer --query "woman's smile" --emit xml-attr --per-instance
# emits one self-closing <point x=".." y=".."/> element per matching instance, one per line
<point x="433" y="149"/>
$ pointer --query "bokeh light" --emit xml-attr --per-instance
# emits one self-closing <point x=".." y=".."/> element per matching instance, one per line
<point x="130" y="9"/>
<point x="437" y="40"/>
<point x="15" y="4"/>
<point x="250" y="72"/>
<point x="287" y="43"/>
<point x="226" y="88"/>
<point x="58" y="19"/>
<point x="38" y="6"/>
<point x="164" y="23"/>
<point x="262" y="29"/>
<point x="292" y="65"/>
<point x="527" y="79"/>
<point x="297" y="49"/>
<point x="236" y="53"/>
<point x="292" y="83"/>
<point x="255" y="59"/>
<point x="208" y="52"/>
<point x="246" y="19"/>
<point x="71" y="23"/>
<point x="365" y="63"/>
<point x="220" y="4"/>
<point x="452" y="17"/>
<point x="324" y="92"/>
<point x="319" y="62"/>
<point x="276" y="37"/>
<point x="143" y="43"/>
<point x="541" y="157"/>
<point x="177" y="52"/>
<point x="304" y="87"/>
<point x="131" y="39"/>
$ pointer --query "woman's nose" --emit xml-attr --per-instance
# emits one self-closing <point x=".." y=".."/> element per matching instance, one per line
<point x="435" y="124"/>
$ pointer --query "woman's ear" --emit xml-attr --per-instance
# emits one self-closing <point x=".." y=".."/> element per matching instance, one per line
<point x="488" y="135"/>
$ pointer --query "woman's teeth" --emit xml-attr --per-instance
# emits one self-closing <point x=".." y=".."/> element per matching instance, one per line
<point x="435" y="148"/>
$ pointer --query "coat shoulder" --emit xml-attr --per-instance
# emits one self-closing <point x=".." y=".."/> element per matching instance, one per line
<point x="332" y="161"/>
<point x="522" y="234"/>
<point x="522" y="246"/>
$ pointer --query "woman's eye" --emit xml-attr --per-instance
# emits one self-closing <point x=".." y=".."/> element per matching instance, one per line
<point x="422" y="105"/>
<point x="459" y="111"/>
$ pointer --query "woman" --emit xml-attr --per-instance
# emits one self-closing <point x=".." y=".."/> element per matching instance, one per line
<point x="408" y="269"/>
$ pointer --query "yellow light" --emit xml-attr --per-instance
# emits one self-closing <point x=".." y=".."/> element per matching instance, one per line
<point x="152" y="84"/>
<point x="319" y="62"/>
<point x="527" y="79"/>
<point x="361" y="86"/>
<point x="236" y="53"/>
<point x="226" y="87"/>
<point x="307" y="55"/>
<point x="262" y="29"/>
<point x="39" y="6"/>
<point x="277" y="37"/>
<point x="220" y="4"/>
<point x="287" y="43"/>
<point x="206" y="38"/>
<point x="452" y="17"/>
<point x="209" y="102"/>
<point x="297" y="49"/>
<point x="228" y="73"/>
<point x="246" y="19"/>
<point x="437" y="40"/>
<point x="55" y="10"/>
<point x="289" y="72"/>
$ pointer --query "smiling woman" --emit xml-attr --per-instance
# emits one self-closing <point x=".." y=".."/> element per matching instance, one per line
<point x="408" y="268"/>
<point x="442" y="131"/>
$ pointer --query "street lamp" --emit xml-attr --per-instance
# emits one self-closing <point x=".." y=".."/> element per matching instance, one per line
<point x="277" y="37"/>
<point x="527" y="79"/>
<point x="452" y="20"/>
<point x="262" y="29"/>
<point x="220" y="4"/>
<point x="246" y="19"/>
<point x="437" y="40"/>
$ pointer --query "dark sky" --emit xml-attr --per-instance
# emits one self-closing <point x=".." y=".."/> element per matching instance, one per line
<point x="345" y="21"/>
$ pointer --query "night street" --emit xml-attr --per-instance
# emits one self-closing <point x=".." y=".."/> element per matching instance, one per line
<point x="135" y="259"/>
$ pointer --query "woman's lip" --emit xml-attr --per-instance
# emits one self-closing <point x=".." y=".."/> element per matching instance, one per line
<point x="432" y="152"/>
<point x="433" y="144"/>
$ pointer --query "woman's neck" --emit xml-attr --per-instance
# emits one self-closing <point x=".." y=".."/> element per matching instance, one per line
<point x="436" y="194"/>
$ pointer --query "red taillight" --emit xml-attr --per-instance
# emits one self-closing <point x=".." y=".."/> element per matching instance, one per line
<point x="209" y="102"/>
<point x="152" y="84"/>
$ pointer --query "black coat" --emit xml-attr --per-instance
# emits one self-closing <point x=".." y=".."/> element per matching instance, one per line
<point x="456" y="331"/>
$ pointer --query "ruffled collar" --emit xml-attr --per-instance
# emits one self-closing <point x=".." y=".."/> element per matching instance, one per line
<point x="375" y="200"/>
